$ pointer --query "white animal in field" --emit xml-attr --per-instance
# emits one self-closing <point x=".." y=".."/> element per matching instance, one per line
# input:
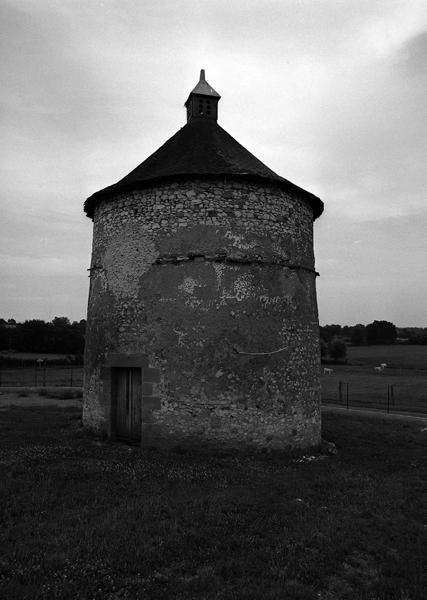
<point x="383" y="365"/>
<point x="378" y="369"/>
<point x="327" y="371"/>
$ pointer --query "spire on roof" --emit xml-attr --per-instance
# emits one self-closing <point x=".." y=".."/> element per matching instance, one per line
<point x="202" y="101"/>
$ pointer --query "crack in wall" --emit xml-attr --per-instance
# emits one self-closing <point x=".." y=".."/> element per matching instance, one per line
<point x="231" y="259"/>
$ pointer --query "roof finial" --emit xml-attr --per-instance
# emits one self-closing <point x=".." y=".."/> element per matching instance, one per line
<point x="202" y="101"/>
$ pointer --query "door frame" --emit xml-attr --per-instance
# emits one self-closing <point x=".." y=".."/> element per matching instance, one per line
<point x="131" y="397"/>
<point x="116" y="360"/>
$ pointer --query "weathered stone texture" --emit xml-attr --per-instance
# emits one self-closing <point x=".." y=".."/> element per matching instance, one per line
<point x="214" y="281"/>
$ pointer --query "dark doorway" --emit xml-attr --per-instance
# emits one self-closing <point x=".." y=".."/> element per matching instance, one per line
<point x="127" y="402"/>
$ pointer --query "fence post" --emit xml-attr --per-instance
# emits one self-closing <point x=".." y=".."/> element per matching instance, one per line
<point x="0" y="372"/>
<point x="388" y="398"/>
<point x="35" y="374"/>
<point x="392" y="395"/>
<point x="71" y="376"/>
<point x="44" y="374"/>
<point x="348" y="402"/>
<point x="340" y="391"/>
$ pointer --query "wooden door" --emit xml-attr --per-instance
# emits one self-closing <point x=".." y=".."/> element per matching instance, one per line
<point x="127" y="396"/>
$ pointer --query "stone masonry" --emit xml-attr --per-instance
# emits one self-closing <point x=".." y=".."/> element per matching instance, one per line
<point x="208" y="285"/>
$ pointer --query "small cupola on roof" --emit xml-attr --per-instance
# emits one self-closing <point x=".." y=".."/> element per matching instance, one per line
<point x="202" y="103"/>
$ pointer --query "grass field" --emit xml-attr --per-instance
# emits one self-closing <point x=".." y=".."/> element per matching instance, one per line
<point x="396" y="356"/>
<point x="406" y="372"/>
<point x="85" y="519"/>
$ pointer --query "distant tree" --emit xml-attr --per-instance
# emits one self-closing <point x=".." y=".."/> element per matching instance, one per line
<point x="32" y="336"/>
<point x="381" y="332"/>
<point x="412" y="335"/>
<point x="68" y="338"/>
<point x="419" y="336"/>
<point x="337" y="349"/>
<point x="327" y="332"/>
<point x="407" y="333"/>
<point x="78" y="330"/>
<point x="4" y="335"/>
<point x="323" y="348"/>
<point x="347" y="332"/>
<point x="35" y="335"/>
<point x="358" y="337"/>
<point x="61" y="322"/>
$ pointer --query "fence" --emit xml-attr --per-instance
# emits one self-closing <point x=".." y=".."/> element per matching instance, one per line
<point x="41" y="375"/>
<point x="405" y="396"/>
<point x="400" y="394"/>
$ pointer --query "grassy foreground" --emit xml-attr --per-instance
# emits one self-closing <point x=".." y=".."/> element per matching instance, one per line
<point x="84" y="519"/>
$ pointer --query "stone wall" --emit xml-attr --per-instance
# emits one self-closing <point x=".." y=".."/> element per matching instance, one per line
<point x="214" y="281"/>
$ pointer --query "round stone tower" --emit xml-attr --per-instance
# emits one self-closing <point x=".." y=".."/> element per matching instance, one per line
<point x="202" y="315"/>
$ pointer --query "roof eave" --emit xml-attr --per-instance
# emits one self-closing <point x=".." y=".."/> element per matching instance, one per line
<point x="112" y="190"/>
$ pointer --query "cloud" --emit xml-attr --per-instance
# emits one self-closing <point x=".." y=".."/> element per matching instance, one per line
<point x="371" y="140"/>
<point x="412" y="56"/>
<point x="371" y="269"/>
<point x="329" y="94"/>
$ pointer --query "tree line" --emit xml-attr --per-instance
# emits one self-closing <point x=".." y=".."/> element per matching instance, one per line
<point x="377" y="332"/>
<point x="59" y="336"/>
<point x="334" y="338"/>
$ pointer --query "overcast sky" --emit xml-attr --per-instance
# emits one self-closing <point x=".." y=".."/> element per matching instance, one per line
<point x="329" y="94"/>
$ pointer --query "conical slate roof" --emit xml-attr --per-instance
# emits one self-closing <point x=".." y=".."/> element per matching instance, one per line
<point x="201" y="147"/>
